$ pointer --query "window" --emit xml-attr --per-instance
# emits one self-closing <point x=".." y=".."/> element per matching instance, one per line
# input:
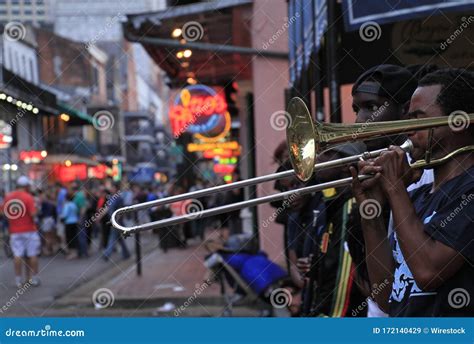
<point x="10" y="54"/>
<point x="16" y="63"/>
<point x="57" y="65"/>
<point x="16" y="12"/>
<point x="23" y="69"/>
<point x="95" y="78"/>
<point x="32" y="71"/>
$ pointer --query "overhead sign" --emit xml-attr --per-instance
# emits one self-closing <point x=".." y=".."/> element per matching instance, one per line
<point x="202" y="111"/>
<point x="199" y="147"/>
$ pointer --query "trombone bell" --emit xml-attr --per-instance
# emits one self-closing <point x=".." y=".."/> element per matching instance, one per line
<point x="301" y="139"/>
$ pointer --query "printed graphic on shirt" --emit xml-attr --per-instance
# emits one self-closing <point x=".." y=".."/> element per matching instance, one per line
<point x="403" y="278"/>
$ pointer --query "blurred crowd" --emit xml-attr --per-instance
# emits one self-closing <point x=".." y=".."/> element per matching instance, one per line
<point x="74" y="219"/>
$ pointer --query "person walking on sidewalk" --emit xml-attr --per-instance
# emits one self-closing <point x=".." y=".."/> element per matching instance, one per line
<point x="19" y="208"/>
<point x="70" y="217"/>
<point x="113" y="203"/>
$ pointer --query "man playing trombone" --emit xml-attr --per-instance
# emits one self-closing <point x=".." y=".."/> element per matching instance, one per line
<point x="429" y="259"/>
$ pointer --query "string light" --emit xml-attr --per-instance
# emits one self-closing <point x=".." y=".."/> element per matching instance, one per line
<point x="65" y="117"/>
<point x="176" y="32"/>
<point x="19" y="103"/>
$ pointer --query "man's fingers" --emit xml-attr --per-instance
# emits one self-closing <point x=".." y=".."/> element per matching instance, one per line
<point x="370" y="169"/>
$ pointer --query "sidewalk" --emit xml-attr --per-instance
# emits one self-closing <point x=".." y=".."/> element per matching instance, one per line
<point x="169" y="280"/>
<point x="59" y="277"/>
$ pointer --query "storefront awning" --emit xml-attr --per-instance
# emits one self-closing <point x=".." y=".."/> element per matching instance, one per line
<point x="31" y="95"/>
<point x="74" y="159"/>
<point x="77" y="117"/>
<point x="215" y="34"/>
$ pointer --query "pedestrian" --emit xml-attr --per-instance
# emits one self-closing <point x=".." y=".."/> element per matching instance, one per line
<point x="80" y="200"/>
<point x="48" y="217"/>
<point x="102" y="220"/>
<point x="114" y="202"/>
<point x="19" y="208"/>
<point x="60" y="201"/>
<point x="70" y="218"/>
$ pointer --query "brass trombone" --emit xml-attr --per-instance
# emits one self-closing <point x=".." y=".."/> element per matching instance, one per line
<point x="305" y="140"/>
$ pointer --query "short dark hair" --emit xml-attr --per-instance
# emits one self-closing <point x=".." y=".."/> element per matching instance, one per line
<point x="457" y="89"/>
<point x="420" y="70"/>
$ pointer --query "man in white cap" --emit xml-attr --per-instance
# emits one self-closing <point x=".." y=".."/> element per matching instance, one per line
<point x="19" y="209"/>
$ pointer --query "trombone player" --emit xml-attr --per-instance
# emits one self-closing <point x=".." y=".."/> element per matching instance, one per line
<point x="429" y="259"/>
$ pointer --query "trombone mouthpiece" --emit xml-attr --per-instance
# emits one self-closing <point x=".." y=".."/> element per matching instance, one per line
<point x="407" y="146"/>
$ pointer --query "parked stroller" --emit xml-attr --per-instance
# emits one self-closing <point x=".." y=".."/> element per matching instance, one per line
<point x="252" y="279"/>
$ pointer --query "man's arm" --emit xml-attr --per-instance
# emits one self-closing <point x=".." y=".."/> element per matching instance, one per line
<point x="379" y="258"/>
<point x="430" y="261"/>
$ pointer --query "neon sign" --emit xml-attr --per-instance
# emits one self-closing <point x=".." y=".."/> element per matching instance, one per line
<point x="202" y="111"/>
<point x="32" y="157"/>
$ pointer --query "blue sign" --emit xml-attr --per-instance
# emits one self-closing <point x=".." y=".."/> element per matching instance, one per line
<point x="358" y="12"/>
<point x="142" y="175"/>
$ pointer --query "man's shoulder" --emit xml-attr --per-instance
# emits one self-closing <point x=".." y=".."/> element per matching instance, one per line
<point x="19" y="194"/>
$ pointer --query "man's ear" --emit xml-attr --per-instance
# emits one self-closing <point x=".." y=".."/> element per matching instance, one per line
<point x="405" y="109"/>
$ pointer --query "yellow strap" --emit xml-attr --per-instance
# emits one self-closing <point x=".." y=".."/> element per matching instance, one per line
<point x="342" y="286"/>
<point x="328" y="193"/>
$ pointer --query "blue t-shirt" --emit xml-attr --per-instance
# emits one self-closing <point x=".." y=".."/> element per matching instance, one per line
<point x="448" y="217"/>
<point x="70" y="213"/>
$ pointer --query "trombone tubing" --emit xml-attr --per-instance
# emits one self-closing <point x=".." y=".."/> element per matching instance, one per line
<point x="238" y="184"/>
<point x="235" y="206"/>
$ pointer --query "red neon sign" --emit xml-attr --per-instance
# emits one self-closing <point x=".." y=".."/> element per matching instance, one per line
<point x="32" y="156"/>
<point x="99" y="172"/>
<point x="192" y="105"/>
<point x="66" y="174"/>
